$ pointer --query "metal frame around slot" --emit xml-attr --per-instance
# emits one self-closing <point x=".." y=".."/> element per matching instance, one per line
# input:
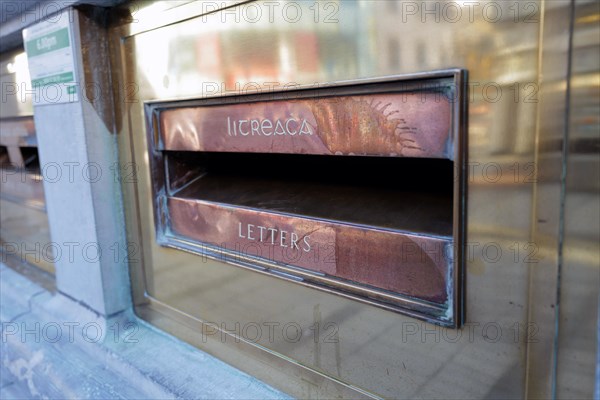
<point x="452" y="314"/>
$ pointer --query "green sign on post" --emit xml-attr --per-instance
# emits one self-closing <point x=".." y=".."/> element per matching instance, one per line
<point x="47" y="43"/>
<point x="51" y="60"/>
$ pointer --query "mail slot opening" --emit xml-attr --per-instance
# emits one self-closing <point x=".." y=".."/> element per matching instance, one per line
<point x="404" y="194"/>
<point x="333" y="220"/>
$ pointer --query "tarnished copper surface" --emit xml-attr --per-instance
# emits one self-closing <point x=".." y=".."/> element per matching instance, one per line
<point x="406" y="124"/>
<point x="402" y="263"/>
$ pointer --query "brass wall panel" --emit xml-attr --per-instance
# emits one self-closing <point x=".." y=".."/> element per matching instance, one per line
<point x="373" y="352"/>
<point x="546" y="212"/>
<point x="577" y="345"/>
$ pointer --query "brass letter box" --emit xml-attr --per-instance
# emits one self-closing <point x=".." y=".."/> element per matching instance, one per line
<point x="353" y="188"/>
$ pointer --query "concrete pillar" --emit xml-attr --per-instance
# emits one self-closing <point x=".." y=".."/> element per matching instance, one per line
<point x="78" y="154"/>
